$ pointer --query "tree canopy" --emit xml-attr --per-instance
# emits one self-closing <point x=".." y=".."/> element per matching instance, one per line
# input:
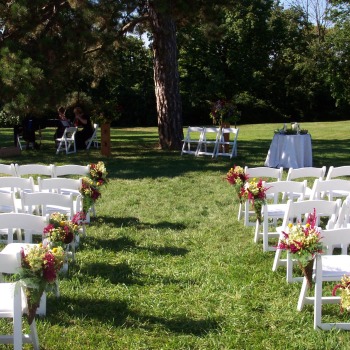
<point x="271" y="61"/>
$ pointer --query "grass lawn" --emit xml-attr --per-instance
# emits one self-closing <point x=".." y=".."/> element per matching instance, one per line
<point x="166" y="264"/>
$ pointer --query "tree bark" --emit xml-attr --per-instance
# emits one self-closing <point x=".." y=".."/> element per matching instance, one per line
<point x="166" y="79"/>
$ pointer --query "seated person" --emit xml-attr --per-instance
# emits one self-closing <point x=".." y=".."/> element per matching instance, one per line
<point x="30" y="125"/>
<point x="82" y="120"/>
<point x="63" y="123"/>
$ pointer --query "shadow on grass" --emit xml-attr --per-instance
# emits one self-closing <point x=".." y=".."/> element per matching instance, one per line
<point x="127" y="244"/>
<point x="64" y="310"/>
<point x="116" y="274"/>
<point x="130" y="221"/>
<point x="132" y="160"/>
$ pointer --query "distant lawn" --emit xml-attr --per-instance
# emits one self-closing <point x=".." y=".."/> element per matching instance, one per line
<point x="166" y="264"/>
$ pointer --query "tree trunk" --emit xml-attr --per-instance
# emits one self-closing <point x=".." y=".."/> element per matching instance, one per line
<point x="166" y="79"/>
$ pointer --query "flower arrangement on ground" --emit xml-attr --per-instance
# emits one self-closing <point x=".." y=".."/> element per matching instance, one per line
<point x="237" y="178"/>
<point x="89" y="192"/>
<point x="344" y="288"/>
<point x="60" y="231"/>
<point x="303" y="242"/>
<point x="98" y="173"/>
<point x="255" y="192"/>
<point x="39" y="270"/>
<point x="223" y="110"/>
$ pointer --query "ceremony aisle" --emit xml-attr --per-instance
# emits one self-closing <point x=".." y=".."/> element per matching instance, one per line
<point x="166" y="265"/>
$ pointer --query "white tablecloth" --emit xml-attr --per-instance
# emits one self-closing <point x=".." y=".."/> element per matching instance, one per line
<point x="290" y="151"/>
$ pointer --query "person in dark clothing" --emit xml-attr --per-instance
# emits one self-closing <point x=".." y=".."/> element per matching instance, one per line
<point x="83" y="121"/>
<point x="30" y="125"/>
<point x="62" y="124"/>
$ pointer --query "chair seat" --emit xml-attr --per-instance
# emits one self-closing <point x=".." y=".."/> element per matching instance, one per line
<point x="14" y="248"/>
<point x="7" y="293"/>
<point x="339" y="193"/>
<point x="6" y="209"/>
<point x="335" y="266"/>
<point x="276" y="210"/>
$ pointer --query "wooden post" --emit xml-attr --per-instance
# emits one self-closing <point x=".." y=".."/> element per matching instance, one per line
<point x="106" y="140"/>
<point x="226" y="136"/>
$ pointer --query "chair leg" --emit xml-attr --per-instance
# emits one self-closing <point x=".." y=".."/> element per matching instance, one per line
<point x="318" y="304"/>
<point x="266" y="235"/>
<point x="257" y="231"/>
<point x="34" y="336"/>
<point x="302" y="295"/>
<point x="239" y="212"/>
<point x="276" y="261"/>
<point x="289" y="275"/>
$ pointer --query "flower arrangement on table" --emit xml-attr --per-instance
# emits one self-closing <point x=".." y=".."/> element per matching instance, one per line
<point x="237" y="178"/>
<point x="255" y="192"/>
<point x="293" y="130"/>
<point x="39" y="270"/>
<point x="303" y="242"/>
<point x="344" y="288"/>
<point x="224" y="111"/>
<point x="60" y="231"/>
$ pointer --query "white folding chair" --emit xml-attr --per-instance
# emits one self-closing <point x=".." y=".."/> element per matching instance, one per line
<point x="13" y="305"/>
<point x="8" y="203"/>
<point x="330" y="188"/>
<point x="65" y="186"/>
<point x="307" y="172"/>
<point x="7" y="169"/>
<point x="33" y="169"/>
<point x="227" y="143"/>
<point x="16" y="185"/>
<point x="27" y="170"/>
<point x="335" y="172"/>
<point x="275" y="210"/>
<point x="190" y="142"/>
<point x="327" y="267"/>
<point x="299" y="211"/>
<point x="70" y="169"/>
<point x="67" y="141"/>
<point x="208" y="144"/>
<point x="343" y="219"/>
<point x="264" y="173"/>
<point x="45" y="203"/>
<point x="93" y="139"/>
<point x="23" y="224"/>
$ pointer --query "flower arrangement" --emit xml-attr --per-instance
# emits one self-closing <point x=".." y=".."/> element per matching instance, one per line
<point x="293" y="130"/>
<point x="89" y="192"/>
<point x="223" y="110"/>
<point x="39" y="269"/>
<point x="237" y="178"/>
<point x="98" y="173"/>
<point x="60" y="231"/>
<point x="255" y="192"/>
<point x="344" y="287"/>
<point x="303" y="242"/>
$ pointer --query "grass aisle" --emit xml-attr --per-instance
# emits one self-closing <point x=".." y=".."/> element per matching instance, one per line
<point x="166" y="264"/>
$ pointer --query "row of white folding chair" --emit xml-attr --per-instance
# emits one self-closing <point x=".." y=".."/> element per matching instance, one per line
<point x="213" y="141"/>
<point x="13" y="305"/>
<point x="50" y="170"/>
